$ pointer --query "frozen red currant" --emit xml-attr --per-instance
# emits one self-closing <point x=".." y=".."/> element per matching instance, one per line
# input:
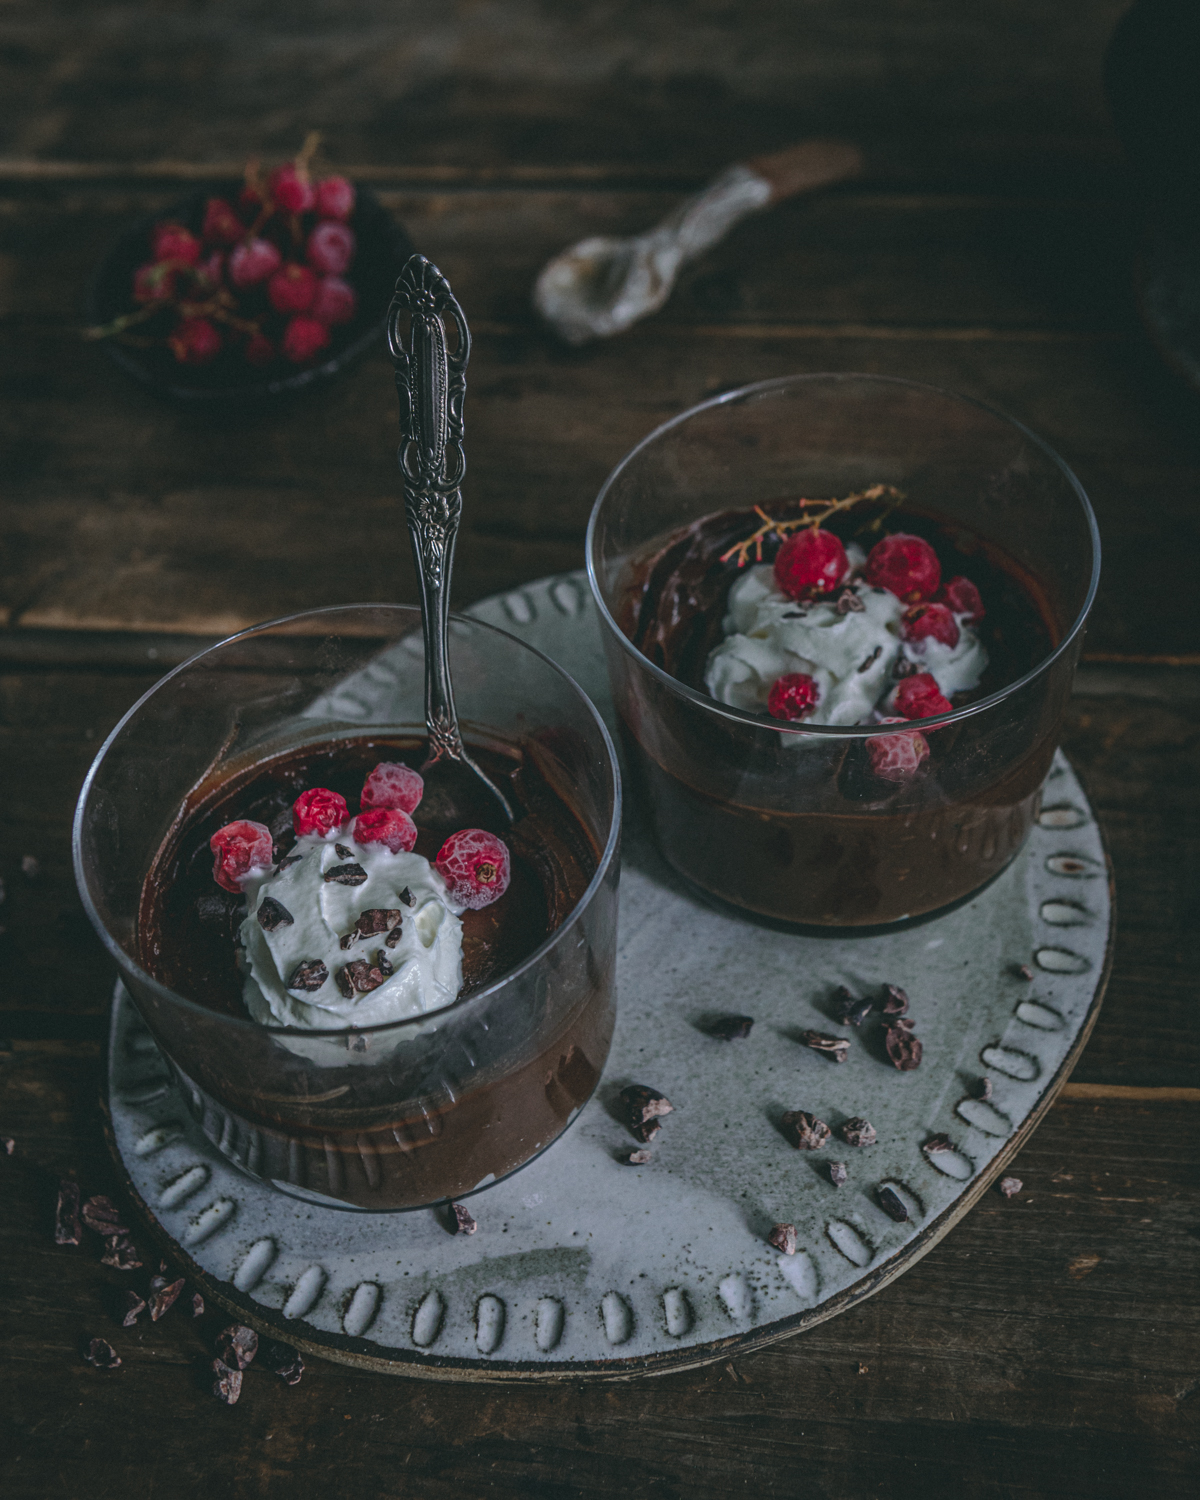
<point x="195" y="341"/>
<point x="303" y="339"/>
<point x="906" y="566"/>
<point x="792" y="696"/>
<point x="291" y="189"/>
<point x="962" y="597"/>
<point x="335" y="301"/>
<point x="810" y="562"/>
<point x="239" y="848"/>
<point x="253" y="262"/>
<point x="156" y="281"/>
<point x="174" y="242"/>
<point x="386" y="825"/>
<point x="334" y="198"/>
<point x="221" y="223"/>
<point x="330" y="247"/>
<point x="475" y="866"/>
<point x="319" y="811"/>
<point x="897" y="757"/>
<point x="391" y="784"/>
<point x="259" y="350"/>
<point x="919" y="697"/>
<point x="925" y="622"/>
<point x="292" y="288"/>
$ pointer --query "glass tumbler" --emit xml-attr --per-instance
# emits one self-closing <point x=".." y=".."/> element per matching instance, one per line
<point x="783" y="820"/>
<point x="418" y="1111"/>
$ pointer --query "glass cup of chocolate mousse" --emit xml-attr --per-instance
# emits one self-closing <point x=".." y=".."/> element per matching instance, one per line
<point x="373" y="989"/>
<point x="842" y="615"/>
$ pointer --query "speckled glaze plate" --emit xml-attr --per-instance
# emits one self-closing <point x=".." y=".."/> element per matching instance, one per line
<point x="585" y="1266"/>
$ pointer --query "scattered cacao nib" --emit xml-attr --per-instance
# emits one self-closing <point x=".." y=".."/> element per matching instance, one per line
<point x="731" y="1028"/>
<point x="358" y="977"/>
<point x="130" y="1307"/>
<point x="892" y="1204"/>
<point x="197" y="1305"/>
<point x="67" y="1229"/>
<point x="227" y="1383"/>
<point x="794" y="614"/>
<point x="273" y="914"/>
<point x="848" y="1009"/>
<point x="1009" y="1186"/>
<point x="163" y="1296"/>
<point x="872" y="659"/>
<point x="836" y="1048"/>
<point x="353" y="874"/>
<point x="984" y="1090"/>
<point x="102" y="1215"/>
<point x="805" y="1131"/>
<point x="895" y="1000"/>
<point x="102" y="1354"/>
<point x="638" y="1158"/>
<point x="1022" y="971"/>
<point x="236" y="1345"/>
<point x="837" y="1173"/>
<point x="121" y="1253"/>
<point x="783" y="1237"/>
<point x="348" y="939"/>
<point x="282" y="1360"/>
<point x="464" y="1223"/>
<point x="937" y="1144"/>
<point x="378" y="919"/>
<point x="858" y="1132"/>
<point x="287" y="861"/>
<point x="393" y="938"/>
<point x="308" y="975"/>
<point x="903" y="1048"/>
<point x="642" y="1107"/>
<point x="850" y="604"/>
<point x="383" y="963"/>
<point x="342" y="852"/>
<point x="407" y="897"/>
<point x="356" y="1044"/>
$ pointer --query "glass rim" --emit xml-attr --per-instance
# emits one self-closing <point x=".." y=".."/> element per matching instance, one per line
<point x="413" y="1023"/>
<point x="838" y="731"/>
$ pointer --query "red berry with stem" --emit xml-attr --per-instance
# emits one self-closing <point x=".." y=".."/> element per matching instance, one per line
<point x="174" y="242"/>
<point x="793" y="696"/>
<point x="239" y="848"/>
<point x="924" y="622"/>
<point x="291" y="189"/>
<point x="221" y="224"/>
<point x="897" y="757"/>
<point x="335" y="301"/>
<point x="811" y="561"/>
<point x="475" y="866"/>
<point x="330" y="247"/>
<point x="195" y="341"/>
<point x="292" y="288"/>
<point x="334" y="198"/>
<point x="905" y="565"/>
<point x="919" y="697"/>
<point x="386" y="825"/>
<point x="303" y="339"/>
<point x="391" y="784"/>
<point x="157" y="281"/>
<point x="962" y="597"/>
<point x="319" y="811"/>
<point x="259" y="350"/>
<point x="252" y="262"/>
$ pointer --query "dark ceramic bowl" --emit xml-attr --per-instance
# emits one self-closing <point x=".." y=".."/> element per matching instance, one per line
<point x="382" y="249"/>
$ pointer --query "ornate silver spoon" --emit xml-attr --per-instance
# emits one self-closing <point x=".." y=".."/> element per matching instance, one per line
<point x="431" y="381"/>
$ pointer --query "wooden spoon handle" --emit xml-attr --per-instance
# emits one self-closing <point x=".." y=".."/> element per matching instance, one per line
<point x="807" y="165"/>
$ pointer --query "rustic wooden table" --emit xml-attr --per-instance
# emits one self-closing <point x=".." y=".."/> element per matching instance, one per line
<point x="1049" y="1346"/>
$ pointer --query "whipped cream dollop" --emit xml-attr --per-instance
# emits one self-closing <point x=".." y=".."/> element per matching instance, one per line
<point x="402" y="926"/>
<point x="851" y="650"/>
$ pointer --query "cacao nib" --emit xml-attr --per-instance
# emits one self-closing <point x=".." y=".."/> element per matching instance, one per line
<point x="348" y="939"/>
<point x="849" y="1010"/>
<point x="130" y="1308"/>
<point x="356" y="1044"/>
<point x="102" y="1354"/>
<point x="273" y="914"/>
<point x="102" y="1215"/>
<point x="1022" y="971"/>
<point x="895" y="1001"/>
<point x="360" y="977"/>
<point x="121" y="1253"/>
<point x="858" y="1132"/>
<point x="236" y="1345"/>
<point x="282" y="1360"/>
<point x="407" y="898"/>
<point x="836" y="1048"/>
<point x="163" y="1296"/>
<point x="984" y="1089"/>
<point x="227" y="1383"/>
<point x="872" y="659"/>
<point x="903" y="1048"/>
<point x="352" y="874"/>
<point x="393" y="937"/>
<point x="638" y="1158"/>
<point x="342" y="852"/>
<point x="67" y="1230"/>
<point x="731" y="1028"/>
<point x="848" y="603"/>
<point x="377" y="919"/>
<point x="783" y="1237"/>
<point x="642" y="1107"/>
<point x="463" y="1221"/>
<point x="288" y="860"/>
<point x="892" y="1204"/>
<point x="838" y="1173"/>
<point x="805" y="1131"/>
<point x="1010" y="1186"/>
<point x="308" y="976"/>
<point x="383" y="963"/>
<point x="937" y="1144"/>
<point x="197" y="1305"/>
